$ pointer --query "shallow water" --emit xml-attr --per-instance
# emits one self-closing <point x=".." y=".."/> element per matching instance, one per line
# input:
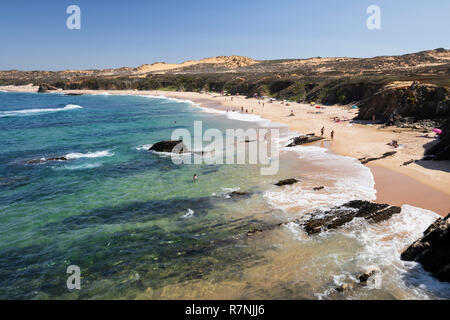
<point x="139" y="228"/>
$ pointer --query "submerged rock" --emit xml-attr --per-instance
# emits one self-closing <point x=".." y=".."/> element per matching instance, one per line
<point x="286" y="182"/>
<point x="303" y="140"/>
<point x="235" y="194"/>
<point x="338" y="216"/>
<point x="254" y="230"/>
<point x="172" y="146"/>
<point x="433" y="249"/>
<point x="366" y="275"/>
<point x="406" y="163"/>
<point x="42" y="160"/>
<point x="363" y="278"/>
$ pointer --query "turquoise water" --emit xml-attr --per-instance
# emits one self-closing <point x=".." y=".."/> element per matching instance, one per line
<point x="139" y="227"/>
<point x="114" y="209"/>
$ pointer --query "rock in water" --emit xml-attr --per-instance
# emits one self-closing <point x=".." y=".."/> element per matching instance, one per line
<point x="172" y="146"/>
<point x="42" y="160"/>
<point x="286" y="182"/>
<point x="303" y="140"/>
<point x="433" y="249"/>
<point x="366" y="275"/>
<point x="338" y="216"/>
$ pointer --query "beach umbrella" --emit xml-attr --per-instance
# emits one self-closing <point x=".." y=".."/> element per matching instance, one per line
<point x="438" y="131"/>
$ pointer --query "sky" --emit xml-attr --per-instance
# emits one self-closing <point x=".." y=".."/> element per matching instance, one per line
<point x="117" y="33"/>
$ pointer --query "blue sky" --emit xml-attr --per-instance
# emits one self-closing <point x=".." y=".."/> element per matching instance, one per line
<point x="117" y="33"/>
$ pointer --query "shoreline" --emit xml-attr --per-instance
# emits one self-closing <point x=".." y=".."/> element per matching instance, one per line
<point x="431" y="184"/>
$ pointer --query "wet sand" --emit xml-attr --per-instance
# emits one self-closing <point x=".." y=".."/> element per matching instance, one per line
<point x="399" y="189"/>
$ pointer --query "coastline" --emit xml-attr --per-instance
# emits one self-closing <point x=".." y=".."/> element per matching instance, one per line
<point x="431" y="189"/>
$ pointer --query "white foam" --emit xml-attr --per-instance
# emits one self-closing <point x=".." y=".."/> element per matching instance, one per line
<point x="85" y="166"/>
<point x="144" y="147"/>
<point x="162" y="97"/>
<point x="189" y="214"/>
<point x="97" y="154"/>
<point x="384" y="242"/>
<point x="352" y="181"/>
<point x="37" y="111"/>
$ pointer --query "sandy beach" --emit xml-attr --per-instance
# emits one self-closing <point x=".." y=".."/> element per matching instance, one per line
<point x="425" y="184"/>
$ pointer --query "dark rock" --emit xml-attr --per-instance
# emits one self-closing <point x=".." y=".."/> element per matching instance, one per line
<point x="363" y="278"/>
<point x="441" y="150"/>
<point x="254" y="230"/>
<point x="172" y="146"/>
<point x="318" y="188"/>
<point x="303" y="140"/>
<point x="408" y="162"/>
<point x="385" y="155"/>
<point x="238" y="193"/>
<point x="286" y="182"/>
<point x="433" y="249"/>
<point x="345" y="287"/>
<point x="338" y="216"/>
<point x="57" y="159"/>
<point x="37" y="161"/>
<point x="46" y="87"/>
<point x="366" y="275"/>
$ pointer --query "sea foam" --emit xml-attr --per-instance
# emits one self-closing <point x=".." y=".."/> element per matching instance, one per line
<point x="97" y="154"/>
<point x="27" y="112"/>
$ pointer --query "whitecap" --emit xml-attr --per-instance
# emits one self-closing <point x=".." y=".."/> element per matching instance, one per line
<point x="26" y="112"/>
<point x="97" y="154"/>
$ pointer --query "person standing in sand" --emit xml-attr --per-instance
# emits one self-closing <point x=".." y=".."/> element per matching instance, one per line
<point x="332" y="135"/>
<point x="322" y="131"/>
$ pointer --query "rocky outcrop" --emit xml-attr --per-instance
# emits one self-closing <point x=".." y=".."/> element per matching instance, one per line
<point x="433" y="249"/>
<point x="304" y="140"/>
<point x="399" y="100"/>
<point x="253" y="231"/>
<point x="385" y="155"/>
<point x="338" y="216"/>
<point x="441" y="150"/>
<point x="171" y="146"/>
<point x="363" y="279"/>
<point x="286" y="182"/>
<point x="42" y="160"/>
<point x="46" y="87"/>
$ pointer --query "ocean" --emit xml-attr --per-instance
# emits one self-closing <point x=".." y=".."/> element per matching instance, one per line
<point x="139" y="227"/>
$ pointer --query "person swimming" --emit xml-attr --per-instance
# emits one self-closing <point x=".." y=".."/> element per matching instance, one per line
<point x="194" y="178"/>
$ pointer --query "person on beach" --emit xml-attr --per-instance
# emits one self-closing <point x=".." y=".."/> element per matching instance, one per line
<point x="242" y="109"/>
<point x="322" y="131"/>
<point x="332" y="135"/>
